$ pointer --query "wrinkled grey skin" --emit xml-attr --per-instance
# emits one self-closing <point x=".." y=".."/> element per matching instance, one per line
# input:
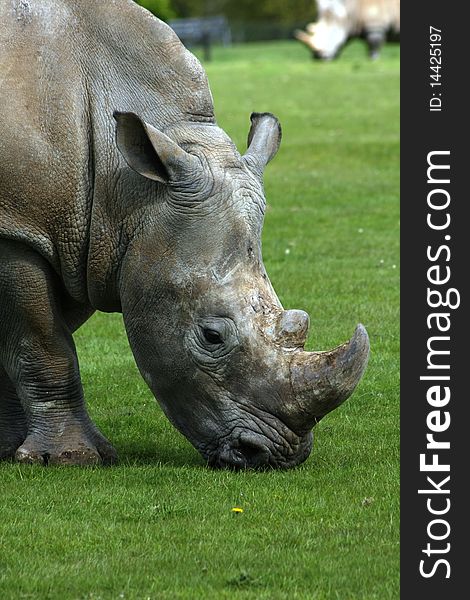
<point x="152" y="212"/>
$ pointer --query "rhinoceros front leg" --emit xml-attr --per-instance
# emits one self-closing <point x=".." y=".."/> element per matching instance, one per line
<point x="375" y="40"/>
<point x="13" y="425"/>
<point x="38" y="353"/>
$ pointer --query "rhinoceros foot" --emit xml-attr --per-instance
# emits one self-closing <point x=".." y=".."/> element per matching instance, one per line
<point x="74" y="447"/>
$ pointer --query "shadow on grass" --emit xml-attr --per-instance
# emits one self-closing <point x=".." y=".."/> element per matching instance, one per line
<point x="138" y="453"/>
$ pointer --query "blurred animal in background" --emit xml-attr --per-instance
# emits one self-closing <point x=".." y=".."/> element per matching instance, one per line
<point x="341" y="20"/>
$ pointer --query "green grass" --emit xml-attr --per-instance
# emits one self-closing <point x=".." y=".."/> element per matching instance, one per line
<point x="159" y="525"/>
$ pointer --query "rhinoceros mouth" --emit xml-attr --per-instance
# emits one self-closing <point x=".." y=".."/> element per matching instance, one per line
<point x="246" y="449"/>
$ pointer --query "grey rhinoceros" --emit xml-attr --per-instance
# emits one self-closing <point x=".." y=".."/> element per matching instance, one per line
<point x="119" y="192"/>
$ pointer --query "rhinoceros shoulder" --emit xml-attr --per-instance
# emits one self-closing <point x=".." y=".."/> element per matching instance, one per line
<point x="148" y="59"/>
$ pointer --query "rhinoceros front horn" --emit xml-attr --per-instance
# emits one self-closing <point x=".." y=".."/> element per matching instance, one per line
<point x="321" y="381"/>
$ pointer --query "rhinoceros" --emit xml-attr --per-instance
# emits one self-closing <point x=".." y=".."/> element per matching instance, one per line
<point x="119" y="193"/>
<point x="341" y="20"/>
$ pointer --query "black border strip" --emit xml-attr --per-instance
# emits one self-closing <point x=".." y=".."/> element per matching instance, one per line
<point x="424" y="131"/>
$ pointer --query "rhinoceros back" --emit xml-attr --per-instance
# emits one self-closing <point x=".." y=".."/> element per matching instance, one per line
<point x="374" y="14"/>
<point x="65" y="66"/>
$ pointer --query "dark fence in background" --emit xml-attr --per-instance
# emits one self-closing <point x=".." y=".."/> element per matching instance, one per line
<point x="205" y="31"/>
<point x="208" y="30"/>
<point x="264" y="31"/>
<point x="202" y="31"/>
<point x="249" y="20"/>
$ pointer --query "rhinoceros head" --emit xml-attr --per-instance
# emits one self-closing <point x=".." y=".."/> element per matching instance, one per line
<point x="209" y="335"/>
<point x="328" y="35"/>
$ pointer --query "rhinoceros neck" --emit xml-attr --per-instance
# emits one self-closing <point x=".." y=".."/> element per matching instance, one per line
<point x="146" y="70"/>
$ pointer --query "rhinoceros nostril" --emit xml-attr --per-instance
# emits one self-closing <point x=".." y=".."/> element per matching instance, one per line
<point x="242" y="453"/>
<point x="254" y="451"/>
<point x="249" y="451"/>
<point x="230" y="458"/>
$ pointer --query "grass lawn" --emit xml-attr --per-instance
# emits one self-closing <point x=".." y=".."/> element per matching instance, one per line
<point x="160" y="525"/>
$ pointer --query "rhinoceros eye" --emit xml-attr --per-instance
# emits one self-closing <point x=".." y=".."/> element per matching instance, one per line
<point x="212" y="339"/>
<point x="212" y="336"/>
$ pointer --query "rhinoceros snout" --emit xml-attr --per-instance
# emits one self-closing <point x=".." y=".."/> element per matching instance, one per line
<point x="253" y="451"/>
<point x="320" y="55"/>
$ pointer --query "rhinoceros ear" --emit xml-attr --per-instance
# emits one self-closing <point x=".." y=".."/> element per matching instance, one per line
<point x="149" y="151"/>
<point x="264" y="139"/>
